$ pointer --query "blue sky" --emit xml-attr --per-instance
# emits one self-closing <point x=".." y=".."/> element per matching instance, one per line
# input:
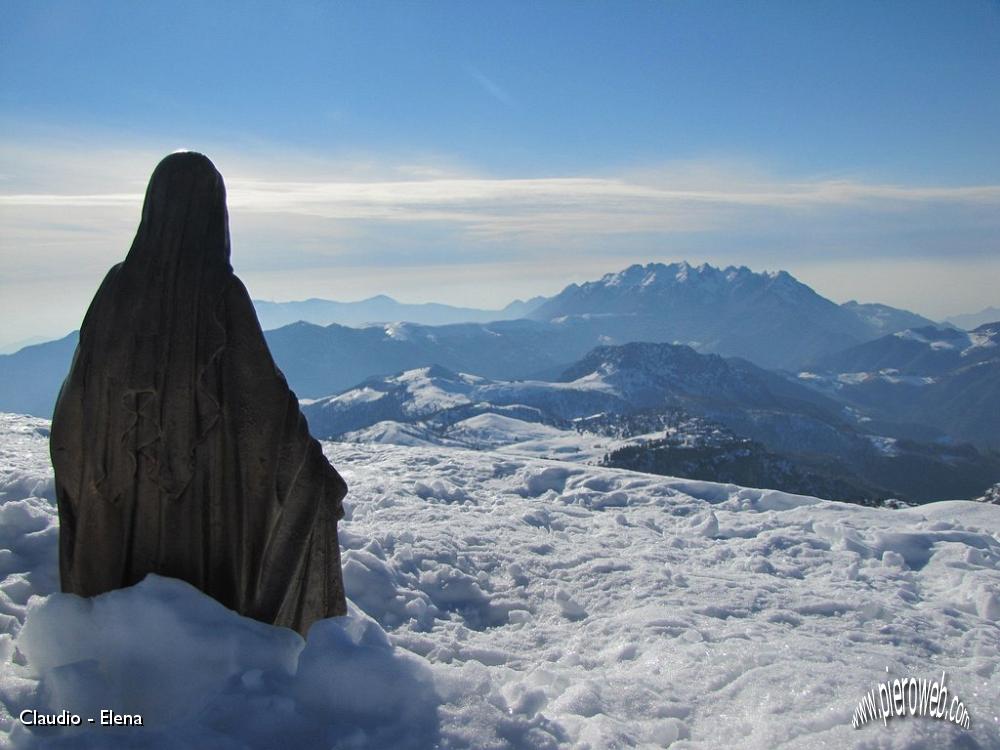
<point x="475" y="152"/>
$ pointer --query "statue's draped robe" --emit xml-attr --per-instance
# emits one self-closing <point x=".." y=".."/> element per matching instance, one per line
<point x="177" y="445"/>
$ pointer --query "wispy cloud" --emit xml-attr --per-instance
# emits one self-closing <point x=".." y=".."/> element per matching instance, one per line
<point x="552" y="205"/>
<point x="78" y="201"/>
<point x="490" y="87"/>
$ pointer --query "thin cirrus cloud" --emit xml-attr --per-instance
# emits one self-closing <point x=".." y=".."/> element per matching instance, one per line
<point x="490" y="207"/>
<point x="491" y="87"/>
<point x="67" y="209"/>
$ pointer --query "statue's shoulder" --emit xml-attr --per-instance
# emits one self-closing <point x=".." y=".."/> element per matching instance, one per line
<point x="97" y="313"/>
<point x="110" y="277"/>
<point x="236" y="292"/>
<point x="241" y="318"/>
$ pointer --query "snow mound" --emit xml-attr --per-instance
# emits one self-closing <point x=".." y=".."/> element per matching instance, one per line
<point x="200" y="674"/>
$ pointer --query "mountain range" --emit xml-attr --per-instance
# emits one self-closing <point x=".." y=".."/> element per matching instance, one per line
<point x="771" y="319"/>
<point x="939" y="377"/>
<point x="625" y="379"/>
<point x="381" y="309"/>
<point x="969" y="321"/>
<point x="760" y="354"/>
<point x="766" y="426"/>
<point x="321" y="360"/>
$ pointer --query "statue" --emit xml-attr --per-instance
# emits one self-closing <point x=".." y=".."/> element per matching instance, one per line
<point x="177" y="446"/>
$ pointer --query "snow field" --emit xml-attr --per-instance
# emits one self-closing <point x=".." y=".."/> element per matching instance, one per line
<point x="501" y="601"/>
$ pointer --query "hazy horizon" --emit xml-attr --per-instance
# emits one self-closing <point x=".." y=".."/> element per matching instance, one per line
<point x="8" y="344"/>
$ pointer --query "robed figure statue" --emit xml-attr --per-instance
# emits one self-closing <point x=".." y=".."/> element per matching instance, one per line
<point x="177" y="445"/>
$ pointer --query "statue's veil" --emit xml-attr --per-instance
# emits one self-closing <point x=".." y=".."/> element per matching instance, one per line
<point x="177" y="445"/>
<point x="161" y="330"/>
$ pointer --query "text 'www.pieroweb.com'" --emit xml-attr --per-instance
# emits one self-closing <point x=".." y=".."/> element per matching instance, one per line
<point x="910" y="696"/>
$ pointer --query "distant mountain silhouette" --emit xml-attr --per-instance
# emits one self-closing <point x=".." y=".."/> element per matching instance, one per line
<point x="381" y="309"/>
<point x="30" y="379"/>
<point x="969" y="321"/>
<point x="883" y="319"/>
<point x="15" y="346"/>
<point x="319" y="361"/>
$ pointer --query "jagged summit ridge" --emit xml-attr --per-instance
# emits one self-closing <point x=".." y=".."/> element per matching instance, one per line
<point x="652" y="275"/>
<point x="700" y="285"/>
<point x="770" y="317"/>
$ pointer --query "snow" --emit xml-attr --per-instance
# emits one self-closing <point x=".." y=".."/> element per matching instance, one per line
<point x="508" y="435"/>
<point x="967" y="342"/>
<point x="979" y="341"/>
<point x="493" y="430"/>
<point x="941" y="345"/>
<point x="918" y="380"/>
<point x="884" y="445"/>
<point x="428" y="396"/>
<point x="854" y="378"/>
<point x="859" y="378"/>
<point x="625" y="278"/>
<point x="910" y="335"/>
<point x="496" y="432"/>
<point x="218" y="679"/>
<point x="395" y="433"/>
<point x="400" y="331"/>
<point x="427" y="392"/>
<point x="354" y="396"/>
<point x="502" y="601"/>
<point x="523" y="390"/>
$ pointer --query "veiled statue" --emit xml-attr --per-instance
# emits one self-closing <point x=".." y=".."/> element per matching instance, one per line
<point x="177" y="445"/>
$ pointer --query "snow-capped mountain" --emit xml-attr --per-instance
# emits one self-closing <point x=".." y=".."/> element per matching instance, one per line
<point x="882" y="319"/>
<point x="941" y="377"/>
<point x="771" y="319"/>
<point x="436" y="391"/>
<point x="619" y="379"/>
<point x="803" y="439"/>
<point x="924" y="351"/>
<point x="648" y="375"/>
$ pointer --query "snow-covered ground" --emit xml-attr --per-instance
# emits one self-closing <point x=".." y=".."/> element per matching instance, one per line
<point x="503" y="601"/>
<point x="501" y="434"/>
